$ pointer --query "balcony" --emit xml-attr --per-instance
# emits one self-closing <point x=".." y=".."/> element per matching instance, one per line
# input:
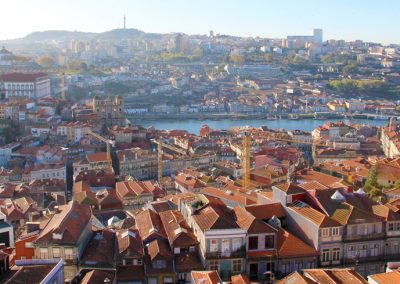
<point x="240" y="253"/>
<point x="373" y="236"/>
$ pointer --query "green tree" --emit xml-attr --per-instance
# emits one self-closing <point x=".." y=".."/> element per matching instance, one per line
<point x="237" y="58"/>
<point x="372" y="179"/>
<point x="46" y="61"/>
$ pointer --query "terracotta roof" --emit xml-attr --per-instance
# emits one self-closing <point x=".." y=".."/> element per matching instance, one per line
<point x="206" y="277"/>
<point x="290" y="246"/>
<point x="159" y="249"/>
<point x="240" y="279"/>
<point x="31" y="274"/>
<point x="290" y="188"/>
<point x="98" y="276"/>
<point x="131" y="188"/>
<point x="316" y="217"/>
<point x="296" y="278"/>
<point x="248" y="222"/>
<point x="97" y="157"/>
<point x="336" y="275"/>
<point x="149" y="224"/>
<point x="187" y="261"/>
<point x="22" y="77"/>
<point x="386" y="278"/>
<point x="266" y="211"/>
<point x="215" y="215"/>
<point x="178" y="232"/>
<point x="130" y="243"/>
<point x="324" y="179"/>
<point x="69" y="223"/>
<point x="101" y="249"/>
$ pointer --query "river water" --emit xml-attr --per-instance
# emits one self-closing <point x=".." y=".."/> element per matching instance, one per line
<point x="193" y="125"/>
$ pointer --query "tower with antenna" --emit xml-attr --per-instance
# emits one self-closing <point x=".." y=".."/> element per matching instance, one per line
<point x="124" y="22"/>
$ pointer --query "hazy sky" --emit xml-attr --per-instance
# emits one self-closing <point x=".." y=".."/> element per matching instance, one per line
<point x="340" y="19"/>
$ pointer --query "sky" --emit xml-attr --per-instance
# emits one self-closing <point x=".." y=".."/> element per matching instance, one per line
<point x="368" y="20"/>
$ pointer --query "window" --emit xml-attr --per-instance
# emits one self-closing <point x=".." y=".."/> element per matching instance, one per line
<point x="237" y="266"/>
<point x="351" y="251"/>
<point x="269" y="241"/>
<point x="374" y="248"/>
<point x="236" y="244"/>
<point x="325" y="255"/>
<point x="225" y="246"/>
<point x="286" y="268"/>
<point x="213" y="245"/>
<point x="299" y="266"/>
<point x="325" y="232"/>
<point x="213" y="265"/>
<point x="335" y="231"/>
<point x="56" y="252"/>
<point x="159" y="264"/>
<point x="253" y="243"/>
<point x="391" y="227"/>
<point x="182" y="277"/>
<point x="68" y="253"/>
<point x="44" y="253"/>
<point x="168" y="280"/>
<point x="336" y="254"/>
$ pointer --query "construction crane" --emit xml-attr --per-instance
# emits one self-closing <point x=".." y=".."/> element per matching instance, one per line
<point x="246" y="160"/>
<point x="160" y="146"/>
<point x="108" y="142"/>
<point x="63" y="85"/>
<point x="246" y="154"/>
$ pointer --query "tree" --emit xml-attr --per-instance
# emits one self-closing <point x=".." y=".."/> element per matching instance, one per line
<point x="372" y="179"/>
<point x="198" y="53"/>
<point x="237" y="58"/>
<point x="46" y="61"/>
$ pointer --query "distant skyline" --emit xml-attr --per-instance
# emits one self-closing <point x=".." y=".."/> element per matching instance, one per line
<point x="340" y="19"/>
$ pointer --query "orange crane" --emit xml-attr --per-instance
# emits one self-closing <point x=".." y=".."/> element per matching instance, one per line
<point x="160" y="146"/>
<point x="63" y="85"/>
<point x="246" y="160"/>
<point x="246" y="154"/>
<point x="108" y="142"/>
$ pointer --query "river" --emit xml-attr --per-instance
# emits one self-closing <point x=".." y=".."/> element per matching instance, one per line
<point x="193" y="125"/>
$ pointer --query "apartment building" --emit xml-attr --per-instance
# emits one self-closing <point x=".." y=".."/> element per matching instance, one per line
<point x="65" y="236"/>
<point x="73" y="131"/>
<point x="138" y="163"/>
<point x="222" y="240"/>
<point x="30" y="85"/>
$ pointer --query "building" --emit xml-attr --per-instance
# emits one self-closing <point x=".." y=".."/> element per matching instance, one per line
<point x="30" y="85"/>
<point x="66" y="236"/>
<point x="134" y="194"/>
<point x="138" y="163"/>
<point x="6" y="231"/>
<point x="222" y="241"/>
<point x="74" y="131"/>
<point x="111" y="110"/>
<point x="48" y="271"/>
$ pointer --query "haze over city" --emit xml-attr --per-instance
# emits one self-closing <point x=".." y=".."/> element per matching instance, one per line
<point x="199" y="142"/>
<point x="340" y="19"/>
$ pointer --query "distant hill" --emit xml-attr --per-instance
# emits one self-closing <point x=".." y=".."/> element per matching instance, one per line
<point x="61" y="35"/>
<point x="56" y="35"/>
<point x="120" y="33"/>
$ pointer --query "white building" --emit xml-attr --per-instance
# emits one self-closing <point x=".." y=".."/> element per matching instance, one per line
<point x="30" y="85"/>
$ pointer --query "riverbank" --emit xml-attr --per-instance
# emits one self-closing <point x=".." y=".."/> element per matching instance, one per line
<point x="266" y="116"/>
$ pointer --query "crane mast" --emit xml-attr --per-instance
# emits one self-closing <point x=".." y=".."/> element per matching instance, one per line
<point x="63" y="85"/>
<point x="246" y="160"/>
